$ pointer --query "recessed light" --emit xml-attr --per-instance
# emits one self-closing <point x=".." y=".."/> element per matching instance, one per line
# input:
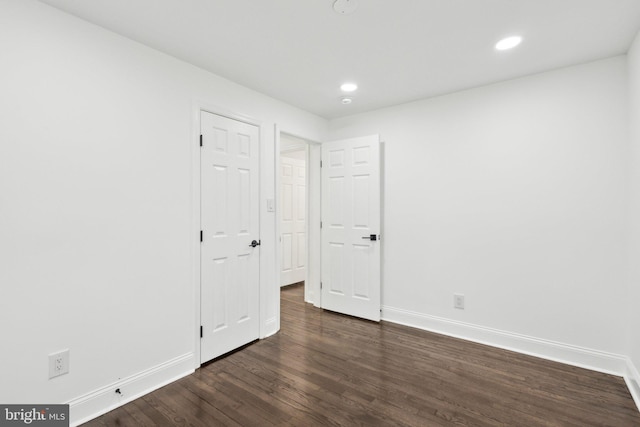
<point x="345" y="7"/>
<point x="508" y="43"/>
<point x="349" y="87"/>
<point x="346" y="100"/>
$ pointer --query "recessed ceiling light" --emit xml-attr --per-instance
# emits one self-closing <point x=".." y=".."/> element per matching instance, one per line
<point x="345" y="7"/>
<point x="349" y="87"/>
<point x="346" y="100"/>
<point x="508" y="43"/>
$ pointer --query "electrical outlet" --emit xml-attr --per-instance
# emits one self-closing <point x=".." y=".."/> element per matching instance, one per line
<point x="458" y="301"/>
<point x="58" y="364"/>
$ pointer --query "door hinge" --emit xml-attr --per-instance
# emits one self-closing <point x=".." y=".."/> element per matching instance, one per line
<point x="201" y="236"/>
<point x="320" y="285"/>
<point x="320" y="224"/>
<point x="320" y="163"/>
<point x="200" y="331"/>
<point x="200" y="140"/>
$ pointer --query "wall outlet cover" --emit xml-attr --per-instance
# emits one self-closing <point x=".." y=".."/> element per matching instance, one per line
<point x="58" y="363"/>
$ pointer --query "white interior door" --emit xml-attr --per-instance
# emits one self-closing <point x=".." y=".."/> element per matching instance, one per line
<point x="229" y="280"/>
<point x="351" y="227"/>
<point x="293" y="225"/>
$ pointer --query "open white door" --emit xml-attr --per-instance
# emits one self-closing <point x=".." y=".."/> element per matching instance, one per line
<point x="351" y="227"/>
<point x="230" y="264"/>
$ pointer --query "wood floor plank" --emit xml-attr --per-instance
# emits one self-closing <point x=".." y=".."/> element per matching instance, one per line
<point x="327" y="369"/>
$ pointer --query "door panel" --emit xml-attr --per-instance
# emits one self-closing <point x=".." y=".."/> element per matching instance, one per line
<point x="350" y="215"/>
<point x="229" y="281"/>
<point x="293" y="222"/>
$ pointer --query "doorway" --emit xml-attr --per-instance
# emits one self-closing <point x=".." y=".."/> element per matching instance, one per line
<point x="298" y="184"/>
<point x="345" y="194"/>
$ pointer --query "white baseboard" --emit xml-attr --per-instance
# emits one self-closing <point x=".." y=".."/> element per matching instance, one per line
<point x="632" y="378"/>
<point x="105" y="399"/>
<point x="559" y="352"/>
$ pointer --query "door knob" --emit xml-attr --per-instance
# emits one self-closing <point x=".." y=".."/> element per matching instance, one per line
<point x="255" y="243"/>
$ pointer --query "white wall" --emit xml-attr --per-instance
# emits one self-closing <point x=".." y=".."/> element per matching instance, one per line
<point x="513" y="195"/>
<point x="634" y="216"/>
<point x="298" y="155"/>
<point x="96" y="233"/>
<point x="290" y="143"/>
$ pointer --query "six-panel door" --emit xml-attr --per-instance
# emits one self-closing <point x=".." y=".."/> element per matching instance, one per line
<point x="293" y="227"/>
<point x="350" y="220"/>
<point x="229" y="165"/>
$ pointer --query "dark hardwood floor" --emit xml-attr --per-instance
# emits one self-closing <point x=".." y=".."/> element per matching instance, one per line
<point x="325" y="369"/>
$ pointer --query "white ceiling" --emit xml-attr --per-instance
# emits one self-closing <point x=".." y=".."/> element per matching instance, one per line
<point x="300" y="51"/>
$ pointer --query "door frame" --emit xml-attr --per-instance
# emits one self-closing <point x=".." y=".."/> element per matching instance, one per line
<point x="266" y="325"/>
<point x="312" y="274"/>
